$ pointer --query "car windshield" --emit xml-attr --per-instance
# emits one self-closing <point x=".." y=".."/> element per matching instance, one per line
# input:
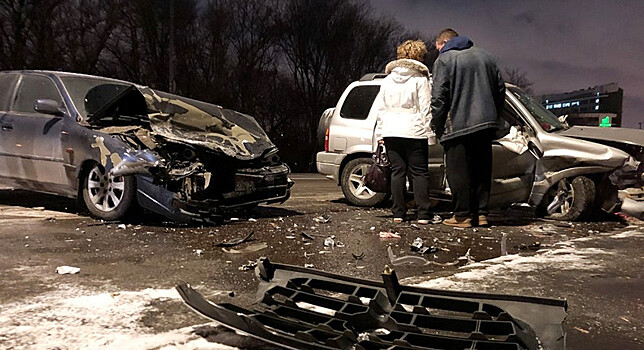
<point x="90" y="94"/>
<point x="546" y="119"/>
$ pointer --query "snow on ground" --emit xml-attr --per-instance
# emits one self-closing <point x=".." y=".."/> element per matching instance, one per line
<point x="73" y="317"/>
<point x="510" y="269"/>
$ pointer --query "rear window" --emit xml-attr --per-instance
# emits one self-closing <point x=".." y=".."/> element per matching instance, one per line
<point x="359" y="101"/>
<point x="7" y="85"/>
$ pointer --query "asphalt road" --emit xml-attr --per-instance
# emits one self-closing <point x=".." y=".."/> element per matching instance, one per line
<point x="123" y="296"/>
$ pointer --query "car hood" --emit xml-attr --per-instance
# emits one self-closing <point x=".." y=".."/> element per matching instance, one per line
<point x="184" y="120"/>
<point x="594" y="133"/>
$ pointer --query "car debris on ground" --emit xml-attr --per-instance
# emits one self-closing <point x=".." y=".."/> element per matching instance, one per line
<point x="304" y="308"/>
<point x="67" y="270"/>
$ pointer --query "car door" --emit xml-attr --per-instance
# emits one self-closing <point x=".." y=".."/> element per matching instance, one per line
<point x="35" y="142"/>
<point x="8" y="163"/>
<point x="512" y="162"/>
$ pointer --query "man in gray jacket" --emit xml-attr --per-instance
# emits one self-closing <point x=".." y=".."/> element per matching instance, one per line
<point x="467" y="96"/>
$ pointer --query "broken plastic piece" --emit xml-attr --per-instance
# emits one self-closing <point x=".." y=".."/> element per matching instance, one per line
<point x="236" y="242"/>
<point x="303" y="308"/>
<point x="255" y="247"/>
<point x="417" y="245"/>
<point x="67" y="270"/>
<point x="406" y="259"/>
<point x="322" y="219"/>
<point x="437" y="219"/>
<point x="388" y="234"/>
<point x="329" y="241"/>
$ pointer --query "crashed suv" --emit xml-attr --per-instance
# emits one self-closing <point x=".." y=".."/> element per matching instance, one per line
<point x="566" y="173"/>
<point x="116" y="145"/>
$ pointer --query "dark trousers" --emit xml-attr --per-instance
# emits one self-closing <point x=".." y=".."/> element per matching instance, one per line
<point x="469" y="172"/>
<point x="409" y="155"/>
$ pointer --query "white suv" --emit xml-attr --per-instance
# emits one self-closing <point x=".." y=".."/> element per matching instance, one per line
<point x="539" y="161"/>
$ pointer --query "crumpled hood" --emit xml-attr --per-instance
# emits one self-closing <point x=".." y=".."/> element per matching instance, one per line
<point x="197" y="123"/>
<point x="594" y="133"/>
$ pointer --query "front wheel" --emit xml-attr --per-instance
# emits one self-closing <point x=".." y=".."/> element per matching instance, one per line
<point x="569" y="200"/>
<point x="108" y="197"/>
<point x="353" y="184"/>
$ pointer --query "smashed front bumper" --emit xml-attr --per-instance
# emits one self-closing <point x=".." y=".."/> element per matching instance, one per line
<point x="268" y="184"/>
<point x="300" y="308"/>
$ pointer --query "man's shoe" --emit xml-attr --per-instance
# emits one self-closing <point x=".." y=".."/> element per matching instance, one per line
<point x="483" y="221"/>
<point x="456" y="221"/>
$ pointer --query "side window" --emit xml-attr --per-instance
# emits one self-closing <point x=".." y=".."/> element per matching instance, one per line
<point x="32" y="88"/>
<point x="359" y="101"/>
<point x="7" y="86"/>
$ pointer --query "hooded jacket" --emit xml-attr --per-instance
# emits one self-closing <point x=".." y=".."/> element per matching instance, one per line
<point x="402" y="105"/>
<point x="468" y="91"/>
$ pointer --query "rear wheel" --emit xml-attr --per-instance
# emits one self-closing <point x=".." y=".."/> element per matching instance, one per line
<point x="107" y="197"/>
<point x="569" y="200"/>
<point x="353" y="184"/>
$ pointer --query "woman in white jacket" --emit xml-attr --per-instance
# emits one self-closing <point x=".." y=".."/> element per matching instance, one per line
<point x="403" y="119"/>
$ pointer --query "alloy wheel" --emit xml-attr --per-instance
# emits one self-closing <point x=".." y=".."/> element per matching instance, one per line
<point x="105" y="191"/>
<point x="357" y="184"/>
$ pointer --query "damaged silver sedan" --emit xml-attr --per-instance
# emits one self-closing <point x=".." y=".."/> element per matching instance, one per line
<point x="115" y="145"/>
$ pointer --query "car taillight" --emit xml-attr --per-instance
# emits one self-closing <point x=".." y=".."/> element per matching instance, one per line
<point x="326" y="140"/>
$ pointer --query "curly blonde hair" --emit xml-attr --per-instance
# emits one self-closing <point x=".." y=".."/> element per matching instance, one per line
<point x="412" y="49"/>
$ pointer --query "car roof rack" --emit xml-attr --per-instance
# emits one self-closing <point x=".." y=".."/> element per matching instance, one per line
<point x="373" y="76"/>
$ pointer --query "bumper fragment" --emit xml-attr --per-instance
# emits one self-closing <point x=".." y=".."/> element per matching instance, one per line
<point x="300" y="308"/>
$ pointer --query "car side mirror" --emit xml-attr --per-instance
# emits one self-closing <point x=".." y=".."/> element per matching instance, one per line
<point x="47" y="106"/>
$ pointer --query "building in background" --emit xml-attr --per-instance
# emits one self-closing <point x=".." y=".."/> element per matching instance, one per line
<point x="596" y="106"/>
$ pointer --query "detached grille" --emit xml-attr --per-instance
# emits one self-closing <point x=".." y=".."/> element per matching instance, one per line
<point x="308" y="309"/>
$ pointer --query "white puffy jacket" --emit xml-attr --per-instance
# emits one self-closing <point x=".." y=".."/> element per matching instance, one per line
<point x="402" y="105"/>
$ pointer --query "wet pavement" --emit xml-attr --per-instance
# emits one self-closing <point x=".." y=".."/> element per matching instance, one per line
<point x="123" y="296"/>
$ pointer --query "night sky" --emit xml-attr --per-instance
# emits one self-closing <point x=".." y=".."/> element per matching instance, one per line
<point x="562" y="45"/>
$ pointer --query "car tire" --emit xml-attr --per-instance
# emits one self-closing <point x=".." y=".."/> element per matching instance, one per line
<point x="576" y="199"/>
<point x="353" y="186"/>
<point x="108" y="197"/>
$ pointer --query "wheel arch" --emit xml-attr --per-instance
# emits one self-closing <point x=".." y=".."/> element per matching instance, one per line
<point x="349" y="158"/>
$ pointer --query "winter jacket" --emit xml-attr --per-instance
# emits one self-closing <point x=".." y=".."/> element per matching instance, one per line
<point x="402" y="105"/>
<point x="468" y="91"/>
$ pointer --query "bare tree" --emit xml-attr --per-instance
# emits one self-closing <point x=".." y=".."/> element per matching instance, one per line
<point x="519" y="78"/>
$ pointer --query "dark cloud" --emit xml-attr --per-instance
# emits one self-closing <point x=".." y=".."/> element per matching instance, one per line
<point x="562" y="45"/>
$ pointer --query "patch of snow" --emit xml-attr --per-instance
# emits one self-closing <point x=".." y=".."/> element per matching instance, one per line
<point x="73" y="317"/>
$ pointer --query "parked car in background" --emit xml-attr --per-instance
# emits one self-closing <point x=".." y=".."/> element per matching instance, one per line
<point x="115" y="145"/>
<point x="536" y="160"/>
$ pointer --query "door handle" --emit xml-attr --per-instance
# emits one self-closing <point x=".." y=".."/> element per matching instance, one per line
<point x="7" y="127"/>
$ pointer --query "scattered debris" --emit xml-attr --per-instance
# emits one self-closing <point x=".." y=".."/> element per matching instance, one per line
<point x="406" y="259"/>
<point x="310" y="266"/>
<point x="247" y="249"/>
<point x="581" y="330"/>
<point x="122" y="226"/>
<point x="358" y="256"/>
<point x="467" y="257"/>
<point x="307" y="236"/>
<point x="388" y="234"/>
<point x="249" y="266"/>
<point x="437" y="219"/>
<point x="329" y="241"/>
<point x="236" y="242"/>
<point x="322" y="219"/>
<point x="415" y="226"/>
<point x="67" y="270"/>
<point x="198" y="252"/>
<point x="534" y="246"/>
<point x="417" y="244"/>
